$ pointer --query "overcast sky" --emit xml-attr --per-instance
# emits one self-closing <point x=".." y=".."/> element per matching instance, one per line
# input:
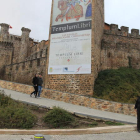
<point x="35" y="15"/>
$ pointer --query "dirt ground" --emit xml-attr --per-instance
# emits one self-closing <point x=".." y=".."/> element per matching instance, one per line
<point x="79" y="122"/>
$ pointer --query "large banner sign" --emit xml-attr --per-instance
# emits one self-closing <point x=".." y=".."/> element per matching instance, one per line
<point x="70" y="42"/>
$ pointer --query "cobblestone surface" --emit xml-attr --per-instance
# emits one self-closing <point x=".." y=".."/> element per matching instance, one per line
<point x="109" y="136"/>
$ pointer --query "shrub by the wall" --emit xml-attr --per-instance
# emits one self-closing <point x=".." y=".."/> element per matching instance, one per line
<point x="5" y="100"/>
<point x="120" y="85"/>
<point x="18" y="117"/>
<point x="58" y="118"/>
<point x="14" y="114"/>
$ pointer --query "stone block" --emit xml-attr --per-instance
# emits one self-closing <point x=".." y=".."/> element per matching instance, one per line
<point x="134" y="33"/>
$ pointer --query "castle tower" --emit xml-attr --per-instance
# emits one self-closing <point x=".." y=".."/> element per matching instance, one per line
<point x="73" y="59"/>
<point x="24" y="44"/>
<point x="4" y="31"/>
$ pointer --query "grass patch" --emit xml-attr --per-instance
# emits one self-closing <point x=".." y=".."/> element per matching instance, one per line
<point x="93" y="124"/>
<point x="113" y="123"/>
<point x="121" y="85"/>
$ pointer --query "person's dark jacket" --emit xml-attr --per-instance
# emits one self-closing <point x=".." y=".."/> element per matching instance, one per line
<point x="35" y="81"/>
<point x="137" y="105"/>
<point x="40" y="81"/>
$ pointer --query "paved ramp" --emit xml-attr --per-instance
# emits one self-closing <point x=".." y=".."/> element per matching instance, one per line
<point x="84" y="111"/>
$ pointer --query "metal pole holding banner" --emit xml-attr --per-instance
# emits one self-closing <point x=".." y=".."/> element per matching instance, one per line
<point x="38" y="137"/>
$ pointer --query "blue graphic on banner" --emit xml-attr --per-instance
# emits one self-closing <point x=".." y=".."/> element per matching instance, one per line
<point x="89" y="11"/>
<point x="66" y="69"/>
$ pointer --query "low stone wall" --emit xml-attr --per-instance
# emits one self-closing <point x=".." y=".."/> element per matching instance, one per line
<point x="127" y="109"/>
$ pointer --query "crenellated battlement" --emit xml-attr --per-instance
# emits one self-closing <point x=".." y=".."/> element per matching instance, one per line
<point x="114" y="27"/>
<point x="22" y="55"/>
<point x="135" y="33"/>
<point x="31" y="39"/>
<point x="26" y="63"/>
<point x="123" y="31"/>
<point x="4" y="29"/>
<point x="4" y="25"/>
<point x="6" y="44"/>
<point x="12" y="38"/>
<point x="17" y="37"/>
<point x="120" y="45"/>
<point x="41" y="54"/>
<point x="25" y="29"/>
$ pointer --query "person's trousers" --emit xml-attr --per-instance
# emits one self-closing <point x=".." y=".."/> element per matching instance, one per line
<point x="138" y="119"/>
<point x="36" y="90"/>
<point x="39" y="90"/>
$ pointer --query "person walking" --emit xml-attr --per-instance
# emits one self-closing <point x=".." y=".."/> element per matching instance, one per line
<point x="40" y="82"/>
<point x="137" y="106"/>
<point x="35" y="85"/>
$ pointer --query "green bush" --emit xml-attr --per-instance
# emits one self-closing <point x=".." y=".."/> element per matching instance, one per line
<point x="14" y="114"/>
<point x="122" y="85"/>
<point x="58" y="118"/>
<point x="4" y="99"/>
<point x="19" y="117"/>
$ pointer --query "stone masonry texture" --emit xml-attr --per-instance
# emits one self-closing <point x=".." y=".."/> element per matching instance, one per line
<point x="112" y="48"/>
<point x="127" y="109"/>
<point x="21" y="56"/>
<point x="82" y="84"/>
<point x="120" y="48"/>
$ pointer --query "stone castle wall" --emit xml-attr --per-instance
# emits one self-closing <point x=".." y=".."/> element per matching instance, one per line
<point x="23" y="72"/>
<point x="120" y="48"/>
<point x="38" y="47"/>
<point x="21" y="56"/>
<point x="6" y="54"/>
<point x="104" y="105"/>
<point x="18" y="42"/>
<point x="111" y="48"/>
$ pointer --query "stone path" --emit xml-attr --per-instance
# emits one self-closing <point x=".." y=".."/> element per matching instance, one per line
<point x="70" y="107"/>
<point x="109" y="136"/>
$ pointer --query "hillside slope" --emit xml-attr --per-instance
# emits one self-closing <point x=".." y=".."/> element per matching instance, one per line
<point x="122" y="85"/>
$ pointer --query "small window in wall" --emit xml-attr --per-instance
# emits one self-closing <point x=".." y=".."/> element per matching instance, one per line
<point x="17" y="67"/>
<point x="41" y="54"/>
<point x="23" y="66"/>
<point x="38" y="62"/>
<point x="109" y="54"/>
<point x="31" y="63"/>
<point x="130" y="61"/>
<point x="35" y="55"/>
